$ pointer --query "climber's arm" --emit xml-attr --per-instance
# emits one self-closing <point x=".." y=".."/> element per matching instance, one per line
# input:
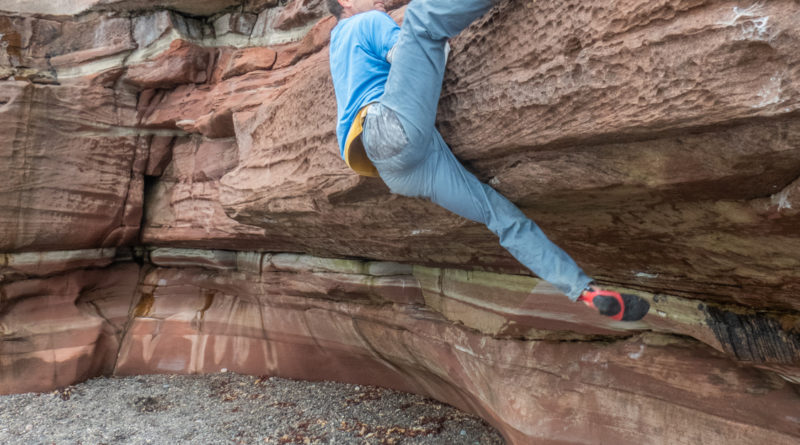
<point x="382" y="33"/>
<point x="390" y="54"/>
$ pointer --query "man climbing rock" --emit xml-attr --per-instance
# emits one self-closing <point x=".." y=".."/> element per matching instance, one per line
<point x="388" y="81"/>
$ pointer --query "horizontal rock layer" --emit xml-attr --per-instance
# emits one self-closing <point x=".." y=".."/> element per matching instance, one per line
<point x="68" y="169"/>
<point x="692" y="170"/>
<point x="77" y="134"/>
<point x="655" y="167"/>
<point x="656" y="141"/>
<point x="367" y="322"/>
<point x="62" y="329"/>
<point x="529" y="390"/>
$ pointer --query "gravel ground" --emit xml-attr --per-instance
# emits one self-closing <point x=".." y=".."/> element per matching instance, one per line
<point x="229" y="408"/>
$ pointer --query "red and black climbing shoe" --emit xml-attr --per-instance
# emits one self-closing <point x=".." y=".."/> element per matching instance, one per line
<point x="621" y="307"/>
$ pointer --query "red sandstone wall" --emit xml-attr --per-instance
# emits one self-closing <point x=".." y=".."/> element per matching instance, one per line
<point x="656" y="141"/>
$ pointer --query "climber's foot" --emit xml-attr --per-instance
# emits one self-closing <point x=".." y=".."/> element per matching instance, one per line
<point x="623" y="307"/>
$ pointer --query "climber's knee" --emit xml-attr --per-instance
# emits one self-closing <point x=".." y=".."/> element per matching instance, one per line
<point x="396" y="158"/>
<point x="427" y="18"/>
<point x="416" y="20"/>
<point x="384" y="137"/>
<point x="388" y="143"/>
<point x="440" y="20"/>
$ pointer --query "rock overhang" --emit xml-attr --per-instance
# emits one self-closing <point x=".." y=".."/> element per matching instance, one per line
<point x="657" y="142"/>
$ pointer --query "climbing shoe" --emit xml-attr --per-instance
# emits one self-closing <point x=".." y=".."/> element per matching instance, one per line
<point x="621" y="307"/>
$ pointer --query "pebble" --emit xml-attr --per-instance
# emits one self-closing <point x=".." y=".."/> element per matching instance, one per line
<point x="229" y="408"/>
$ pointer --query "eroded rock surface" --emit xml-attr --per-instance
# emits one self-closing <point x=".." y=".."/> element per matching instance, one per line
<point x="72" y="176"/>
<point x="64" y="328"/>
<point x="174" y="202"/>
<point x="652" y="165"/>
<point x="310" y="318"/>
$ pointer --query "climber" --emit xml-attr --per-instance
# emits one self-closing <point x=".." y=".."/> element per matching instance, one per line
<point x="387" y="81"/>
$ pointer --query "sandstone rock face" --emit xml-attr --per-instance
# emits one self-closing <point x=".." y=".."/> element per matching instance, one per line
<point x="183" y="63"/>
<point x="675" y="179"/>
<point x="300" y="12"/>
<point x="684" y="111"/>
<point x="66" y="170"/>
<point x="17" y="266"/>
<point x="64" y="328"/>
<point x="75" y="7"/>
<point x="189" y="188"/>
<point x="250" y="59"/>
<point x="530" y="390"/>
<point x="174" y="201"/>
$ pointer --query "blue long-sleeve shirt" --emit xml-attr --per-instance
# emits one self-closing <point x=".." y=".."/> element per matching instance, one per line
<point x="358" y="49"/>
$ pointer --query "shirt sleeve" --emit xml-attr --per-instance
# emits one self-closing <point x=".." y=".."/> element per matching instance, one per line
<point x="382" y="34"/>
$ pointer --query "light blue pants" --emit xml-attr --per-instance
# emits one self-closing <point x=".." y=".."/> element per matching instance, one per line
<point x="413" y="159"/>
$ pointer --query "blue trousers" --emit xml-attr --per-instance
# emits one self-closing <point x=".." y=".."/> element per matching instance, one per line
<point x="413" y="160"/>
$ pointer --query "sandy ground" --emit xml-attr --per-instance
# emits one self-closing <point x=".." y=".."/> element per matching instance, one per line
<point x="229" y="408"/>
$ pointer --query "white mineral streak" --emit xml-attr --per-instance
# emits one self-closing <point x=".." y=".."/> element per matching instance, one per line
<point x="645" y="275"/>
<point x="465" y="350"/>
<point x="770" y="93"/>
<point x="500" y="308"/>
<point x="263" y="33"/>
<point x="174" y="364"/>
<point x="638" y="354"/>
<point x="84" y="322"/>
<point x="149" y="344"/>
<point x="171" y="257"/>
<point x="155" y="48"/>
<point x="753" y="24"/>
<point x="55" y="7"/>
<point x="263" y="37"/>
<point x="75" y="7"/>
<point x="274" y="37"/>
<point x="782" y="200"/>
<point x="32" y="258"/>
<point x="93" y="67"/>
<point x="104" y="131"/>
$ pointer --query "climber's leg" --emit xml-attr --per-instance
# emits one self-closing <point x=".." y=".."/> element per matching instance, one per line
<point x="436" y="174"/>
<point x="415" y="78"/>
<point x="413" y="160"/>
